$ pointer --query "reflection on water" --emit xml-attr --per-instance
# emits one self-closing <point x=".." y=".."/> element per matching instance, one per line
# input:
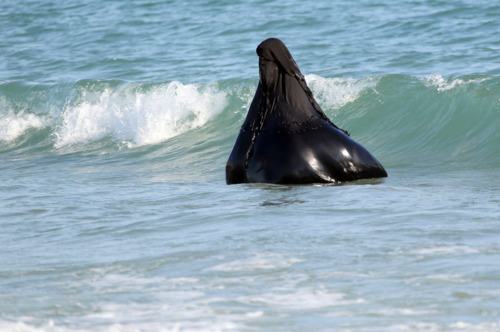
<point x="281" y="201"/>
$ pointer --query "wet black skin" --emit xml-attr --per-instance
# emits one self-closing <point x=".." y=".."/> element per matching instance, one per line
<point x="286" y="138"/>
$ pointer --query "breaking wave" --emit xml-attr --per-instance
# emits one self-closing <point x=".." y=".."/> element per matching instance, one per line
<point x="402" y="119"/>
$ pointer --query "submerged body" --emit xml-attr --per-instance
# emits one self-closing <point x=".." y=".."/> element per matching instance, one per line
<point x="286" y="138"/>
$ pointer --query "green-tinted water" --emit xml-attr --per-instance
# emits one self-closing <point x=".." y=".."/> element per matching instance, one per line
<point x="116" y="120"/>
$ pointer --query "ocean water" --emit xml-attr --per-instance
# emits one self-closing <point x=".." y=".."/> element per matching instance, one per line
<point x="117" y="118"/>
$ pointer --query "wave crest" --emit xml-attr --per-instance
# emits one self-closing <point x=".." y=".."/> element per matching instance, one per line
<point x="13" y="126"/>
<point x="138" y="116"/>
<point x="442" y="84"/>
<point x="336" y="92"/>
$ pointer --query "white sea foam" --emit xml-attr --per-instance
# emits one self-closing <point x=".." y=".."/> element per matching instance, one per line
<point x="302" y="299"/>
<point x="208" y="326"/>
<point x="215" y="326"/>
<point x="453" y="327"/>
<point x="442" y="84"/>
<point x="402" y="312"/>
<point x="172" y="311"/>
<point x="258" y="262"/>
<point x="177" y="304"/>
<point x="336" y="92"/>
<point x="447" y="278"/>
<point x="445" y="250"/>
<point x="173" y="304"/>
<point x="13" y="126"/>
<point x="137" y="117"/>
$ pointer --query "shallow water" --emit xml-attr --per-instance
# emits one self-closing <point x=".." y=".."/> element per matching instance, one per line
<point x="116" y="120"/>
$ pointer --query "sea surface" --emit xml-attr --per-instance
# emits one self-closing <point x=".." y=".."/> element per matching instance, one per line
<point x="116" y="121"/>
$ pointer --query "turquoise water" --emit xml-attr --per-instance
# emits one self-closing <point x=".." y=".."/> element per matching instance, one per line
<point x="117" y="118"/>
